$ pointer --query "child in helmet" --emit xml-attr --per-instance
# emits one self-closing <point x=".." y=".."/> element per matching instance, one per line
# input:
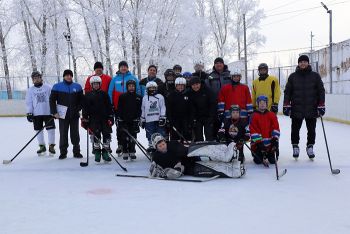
<point x="235" y="130"/>
<point x="265" y="132"/>
<point x="128" y="117"/>
<point x="187" y="76"/>
<point x="98" y="118"/>
<point x="153" y="112"/>
<point x="179" y="112"/>
<point x="235" y="94"/>
<point x="38" y="112"/>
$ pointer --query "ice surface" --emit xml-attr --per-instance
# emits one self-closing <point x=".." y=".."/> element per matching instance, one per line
<point x="45" y="195"/>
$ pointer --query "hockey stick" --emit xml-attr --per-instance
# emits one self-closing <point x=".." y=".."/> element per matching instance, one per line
<point x="175" y="179"/>
<point x="9" y="161"/>
<point x="334" y="171"/>
<point x="143" y="150"/>
<point x="85" y="164"/>
<point x="99" y="141"/>
<point x="180" y="135"/>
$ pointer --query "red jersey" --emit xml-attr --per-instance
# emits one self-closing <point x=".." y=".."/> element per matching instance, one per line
<point x="106" y="80"/>
<point x="235" y="95"/>
<point x="264" y="126"/>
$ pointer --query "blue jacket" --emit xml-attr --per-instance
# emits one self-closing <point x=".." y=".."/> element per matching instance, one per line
<point x="118" y="86"/>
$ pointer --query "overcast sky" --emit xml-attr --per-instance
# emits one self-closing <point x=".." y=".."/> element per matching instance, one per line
<point x="285" y="30"/>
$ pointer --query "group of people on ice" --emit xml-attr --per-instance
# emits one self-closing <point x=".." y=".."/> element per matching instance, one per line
<point x="178" y="114"/>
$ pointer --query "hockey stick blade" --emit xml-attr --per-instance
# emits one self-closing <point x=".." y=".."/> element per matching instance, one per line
<point x="6" y="161"/>
<point x="84" y="164"/>
<point x="335" y="171"/>
<point x="177" y="179"/>
<point x="282" y="173"/>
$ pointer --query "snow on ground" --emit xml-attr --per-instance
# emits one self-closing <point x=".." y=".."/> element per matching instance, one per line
<point x="45" y="195"/>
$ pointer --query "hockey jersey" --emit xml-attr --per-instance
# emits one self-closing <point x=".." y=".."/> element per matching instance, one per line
<point x="235" y="95"/>
<point x="153" y="107"/>
<point x="38" y="100"/>
<point x="263" y="126"/>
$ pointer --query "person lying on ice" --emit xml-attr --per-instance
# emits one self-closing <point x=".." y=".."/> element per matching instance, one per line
<point x="171" y="160"/>
<point x="234" y="130"/>
<point x="265" y="132"/>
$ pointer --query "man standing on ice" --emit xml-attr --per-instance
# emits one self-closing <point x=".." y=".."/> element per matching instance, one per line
<point x="117" y="87"/>
<point x="304" y="98"/>
<point x="69" y="96"/>
<point x="106" y="79"/>
<point x="38" y="112"/>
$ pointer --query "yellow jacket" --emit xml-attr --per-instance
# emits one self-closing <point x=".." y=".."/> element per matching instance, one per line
<point x="265" y="87"/>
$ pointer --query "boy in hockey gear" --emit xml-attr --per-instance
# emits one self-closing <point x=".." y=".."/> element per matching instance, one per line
<point x="179" y="111"/>
<point x="117" y="87"/>
<point x="235" y="130"/>
<point x="170" y="77"/>
<point x="177" y="69"/>
<point x="304" y="98"/>
<point x="152" y="76"/>
<point x="98" y="71"/>
<point x="235" y="94"/>
<point x="219" y="77"/>
<point x="98" y="118"/>
<point x="38" y="112"/>
<point x="69" y="94"/>
<point x="128" y="117"/>
<point x="153" y="112"/>
<point x="187" y="76"/>
<point x="204" y="105"/>
<point x="266" y="85"/>
<point x="264" y="130"/>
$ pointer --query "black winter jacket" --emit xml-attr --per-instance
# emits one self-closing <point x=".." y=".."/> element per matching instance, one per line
<point x="176" y="153"/>
<point x="304" y="91"/>
<point x="129" y="106"/>
<point x="204" y="104"/>
<point x="179" y="107"/>
<point x="97" y="106"/>
<point x="217" y="80"/>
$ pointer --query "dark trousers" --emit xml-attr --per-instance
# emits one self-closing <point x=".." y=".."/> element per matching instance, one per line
<point x="73" y="126"/>
<point x="127" y="143"/>
<point x="208" y="126"/>
<point x="151" y="128"/>
<point x="311" y="133"/>
<point x="182" y="127"/>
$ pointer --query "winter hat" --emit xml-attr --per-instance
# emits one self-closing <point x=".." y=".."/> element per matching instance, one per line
<point x="219" y="60"/>
<point x="67" y="72"/>
<point x="303" y="58"/>
<point x="123" y="63"/>
<point x="98" y="65"/>
<point x="150" y="66"/>
<point x="195" y="80"/>
<point x="36" y="74"/>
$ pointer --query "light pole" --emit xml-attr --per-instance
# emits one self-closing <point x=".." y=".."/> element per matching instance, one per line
<point x="330" y="47"/>
<point x="67" y="36"/>
<point x="245" y="51"/>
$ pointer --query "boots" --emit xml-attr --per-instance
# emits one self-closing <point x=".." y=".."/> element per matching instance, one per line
<point x="310" y="151"/>
<point x="52" y="150"/>
<point x="105" y="155"/>
<point x="41" y="151"/>
<point x="119" y="150"/>
<point x="125" y="156"/>
<point x="296" y="151"/>
<point x="132" y="156"/>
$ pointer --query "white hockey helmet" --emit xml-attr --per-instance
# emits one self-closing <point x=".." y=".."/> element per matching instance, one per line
<point x="180" y="81"/>
<point x="156" y="138"/>
<point x="95" y="79"/>
<point x="236" y="72"/>
<point x="151" y="84"/>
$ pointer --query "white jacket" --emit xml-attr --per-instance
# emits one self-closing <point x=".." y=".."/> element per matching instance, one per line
<point x="37" y="100"/>
<point x="153" y="107"/>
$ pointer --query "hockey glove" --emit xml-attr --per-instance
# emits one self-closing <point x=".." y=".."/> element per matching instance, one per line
<point x="239" y="145"/>
<point x="221" y="135"/>
<point x="274" y="108"/>
<point x="30" y="117"/>
<point x="321" y="110"/>
<point x="84" y="123"/>
<point x="287" y="109"/>
<point x="274" y="144"/>
<point x="162" y="121"/>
